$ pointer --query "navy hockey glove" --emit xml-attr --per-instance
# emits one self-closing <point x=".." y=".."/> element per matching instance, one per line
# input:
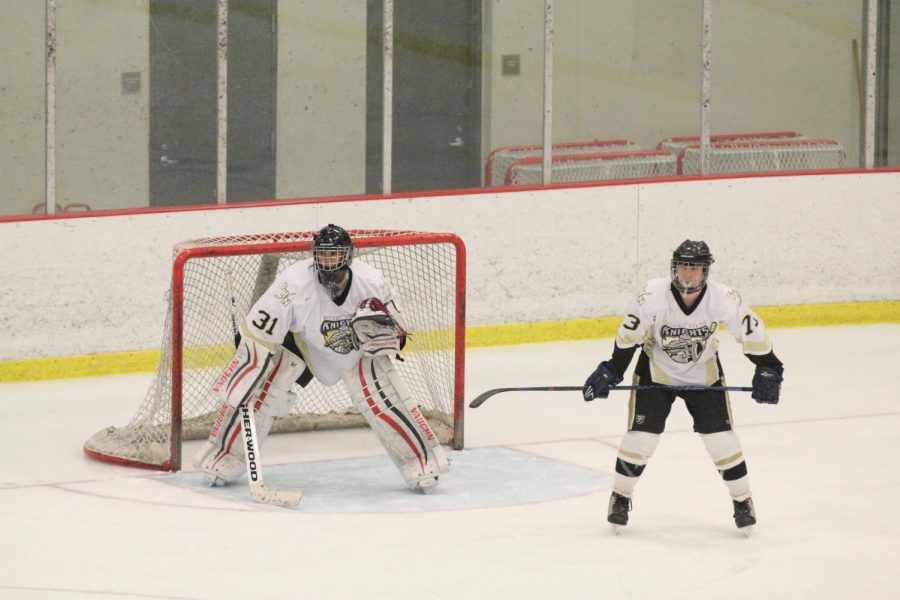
<point x="597" y="385"/>
<point x="767" y="384"/>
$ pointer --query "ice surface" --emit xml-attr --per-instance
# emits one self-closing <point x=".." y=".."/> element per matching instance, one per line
<point x="520" y="515"/>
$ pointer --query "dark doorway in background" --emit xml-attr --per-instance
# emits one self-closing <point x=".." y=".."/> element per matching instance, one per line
<point x="183" y="88"/>
<point x="437" y="95"/>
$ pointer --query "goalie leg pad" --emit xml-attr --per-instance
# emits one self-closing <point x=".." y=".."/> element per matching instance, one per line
<point x="222" y="457"/>
<point x="381" y="396"/>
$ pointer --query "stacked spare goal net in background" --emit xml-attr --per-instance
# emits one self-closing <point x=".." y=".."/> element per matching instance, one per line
<point x="427" y="270"/>
<point x="619" y="159"/>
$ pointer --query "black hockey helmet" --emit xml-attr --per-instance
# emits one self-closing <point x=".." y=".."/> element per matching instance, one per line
<point x="692" y="254"/>
<point x="332" y="254"/>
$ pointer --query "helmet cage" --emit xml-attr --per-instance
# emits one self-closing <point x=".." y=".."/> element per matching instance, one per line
<point x="332" y="259"/>
<point x="688" y="289"/>
<point x="691" y="254"/>
<point x="332" y="254"/>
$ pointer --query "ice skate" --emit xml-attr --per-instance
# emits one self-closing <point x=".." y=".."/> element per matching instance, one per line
<point x="744" y="516"/>
<point x="619" y="506"/>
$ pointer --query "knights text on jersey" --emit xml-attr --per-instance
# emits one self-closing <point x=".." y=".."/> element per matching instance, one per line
<point x="297" y="303"/>
<point x="682" y="347"/>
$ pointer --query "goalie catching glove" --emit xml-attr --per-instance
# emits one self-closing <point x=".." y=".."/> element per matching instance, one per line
<point x="375" y="331"/>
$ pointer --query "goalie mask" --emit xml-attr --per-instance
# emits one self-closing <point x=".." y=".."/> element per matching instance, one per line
<point x="332" y="254"/>
<point x="691" y="254"/>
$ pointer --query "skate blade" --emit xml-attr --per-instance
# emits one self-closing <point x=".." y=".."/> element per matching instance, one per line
<point x="426" y="486"/>
<point x="617" y="529"/>
<point x="747" y="531"/>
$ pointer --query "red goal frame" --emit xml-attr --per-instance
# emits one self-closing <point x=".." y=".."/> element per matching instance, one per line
<point x="274" y="247"/>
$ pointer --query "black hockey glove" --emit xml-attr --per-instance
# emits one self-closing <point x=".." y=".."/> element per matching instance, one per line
<point x="597" y="385"/>
<point x="767" y="384"/>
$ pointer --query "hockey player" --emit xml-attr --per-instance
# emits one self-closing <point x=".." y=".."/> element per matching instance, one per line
<point x="334" y="319"/>
<point x="674" y="320"/>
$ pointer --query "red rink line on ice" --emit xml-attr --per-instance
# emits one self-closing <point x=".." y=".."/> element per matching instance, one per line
<point x="92" y="592"/>
<point x="518" y="447"/>
<point x="65" y="487"/>
<point x="603" y="439"/>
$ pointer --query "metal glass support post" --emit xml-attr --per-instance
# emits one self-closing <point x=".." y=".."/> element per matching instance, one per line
<point x="222" y="103"/>
<point x="547" y="172"/>
<point x="387" y="116"/>
<point x="706" y="71"/>
<point x="870" y="71"/>
<point x="50" y="109"/>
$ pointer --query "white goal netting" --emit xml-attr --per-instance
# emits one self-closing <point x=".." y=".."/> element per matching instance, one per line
<point x="501" y="159"/>
<point x="602" y="166"/>
<point x="427" y="271"/>
<point x="764" y="156"/>
<point x="676" y="144"/>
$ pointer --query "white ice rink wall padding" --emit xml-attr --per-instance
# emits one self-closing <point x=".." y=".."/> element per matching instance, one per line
<point x="98" y="284"/>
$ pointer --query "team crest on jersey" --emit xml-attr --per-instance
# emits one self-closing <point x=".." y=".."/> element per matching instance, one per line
<point x="336" y="331"/>
<point x="685" y="344"/>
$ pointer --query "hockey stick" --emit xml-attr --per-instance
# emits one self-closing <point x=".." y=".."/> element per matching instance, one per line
<point x="482" y="398"/>
<point x="258" y="490"/>
<point x="229" y="281"/>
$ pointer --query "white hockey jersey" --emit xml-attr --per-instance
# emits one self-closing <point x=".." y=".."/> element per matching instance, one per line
<point x="297" y="303"/>
<point x="682" y="344"/>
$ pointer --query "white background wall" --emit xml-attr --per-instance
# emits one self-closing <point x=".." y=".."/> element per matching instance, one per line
<point x="321" y="98"/>
<point x="101" y="134"/>
<point x="98" y="284"/>
<point x="22" y="114"/>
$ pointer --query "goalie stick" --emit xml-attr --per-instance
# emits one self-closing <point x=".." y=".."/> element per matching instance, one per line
<point x="482" y="398"/>
<point x="258" y="490"/>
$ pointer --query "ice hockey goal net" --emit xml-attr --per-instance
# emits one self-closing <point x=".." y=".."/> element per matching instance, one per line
<point x="426" y="269"/>
<point x="679" y="143"/>
<point x="764" y="156"/>
<point x="501" y="159"/>
<point x="598" y="166"/>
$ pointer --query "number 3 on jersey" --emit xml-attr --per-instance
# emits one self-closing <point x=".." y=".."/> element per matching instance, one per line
<point x="263" y="321"/>
<point x="631" y="322"/>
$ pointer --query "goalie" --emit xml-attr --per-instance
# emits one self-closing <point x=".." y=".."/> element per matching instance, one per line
<point x="333" y="319"/>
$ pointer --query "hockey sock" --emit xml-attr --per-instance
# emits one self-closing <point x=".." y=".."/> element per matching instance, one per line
<point x="724" y="448"/>
<point x="634" y="452"/>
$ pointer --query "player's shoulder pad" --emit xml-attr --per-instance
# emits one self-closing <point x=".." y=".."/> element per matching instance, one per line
<point x="652" y="293"/>
<point x="723" y="295"/>
<point x="295" y="284"/>
<point x="300" y="272"/>
<point x="723" y="290"/>
<point x="366" y="276"/>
